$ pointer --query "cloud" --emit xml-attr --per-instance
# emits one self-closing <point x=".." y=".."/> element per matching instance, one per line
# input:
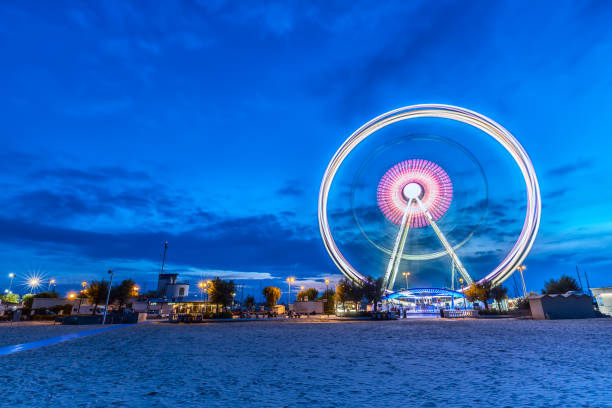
<point x="570" y="168"/>
<point x="290" y="189"/>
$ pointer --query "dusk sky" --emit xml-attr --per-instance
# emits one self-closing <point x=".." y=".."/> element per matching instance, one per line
<point x="209" y="124"/>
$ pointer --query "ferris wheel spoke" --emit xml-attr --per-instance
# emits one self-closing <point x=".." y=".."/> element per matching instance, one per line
<point x="446" y="244"/>
<point x="398" y="249"/>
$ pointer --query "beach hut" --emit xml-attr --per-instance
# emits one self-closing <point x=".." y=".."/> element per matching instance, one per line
<point x="563" y="306"/>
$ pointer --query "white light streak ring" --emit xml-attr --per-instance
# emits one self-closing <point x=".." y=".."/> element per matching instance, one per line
<point x="523" y="245"/>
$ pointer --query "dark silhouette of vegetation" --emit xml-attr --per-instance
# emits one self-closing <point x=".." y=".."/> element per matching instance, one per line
<point x="373" y="291"/>
<point x="272" y="295"/>
<point x="122" y="292"/>
<point x="498" y="293"/>
<point x="249" y="302"/>
<point x="96" y="294"/>
<point x="222" y="292"/>
<point x="310" y="293"/>
<point x="347" y="291"/>
<point x="329" y="307"/>
<point x="563" y="285"/>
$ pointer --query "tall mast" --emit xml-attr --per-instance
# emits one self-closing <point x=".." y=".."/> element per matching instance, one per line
<point x="164" y="258"/>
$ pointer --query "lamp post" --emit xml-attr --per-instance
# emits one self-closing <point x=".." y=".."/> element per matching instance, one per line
<point x="33" y="283"/>
<point x="83" y="285"/>
<point x="326" y="285"/>
<point x="201" y="285"/>
<point x="290" y="280"/>
<point x="461" y="282"/>
<point x="108" y="295"/>
<point x="521" y="268"/>
<point x="51" y="282"/>
<point x="406" y="275"/>
<point x="12" y="276"/>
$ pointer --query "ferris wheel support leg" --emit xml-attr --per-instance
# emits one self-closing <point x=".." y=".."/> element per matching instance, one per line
<point x="398" y="249"/>
<point x="446" y="244"/>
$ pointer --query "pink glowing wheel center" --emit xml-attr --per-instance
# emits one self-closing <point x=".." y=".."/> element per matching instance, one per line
<point x="411" y="180"/>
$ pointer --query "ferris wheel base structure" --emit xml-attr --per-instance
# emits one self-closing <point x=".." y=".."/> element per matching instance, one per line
<point x="403" y="194"/>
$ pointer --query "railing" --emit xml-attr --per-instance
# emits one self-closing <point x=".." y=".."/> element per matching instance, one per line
<point x="460" y="313"/>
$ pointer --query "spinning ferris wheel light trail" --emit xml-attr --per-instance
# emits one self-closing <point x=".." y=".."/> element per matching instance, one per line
<point x="416" y="193"/>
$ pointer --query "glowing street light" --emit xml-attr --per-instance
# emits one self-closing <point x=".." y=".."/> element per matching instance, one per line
<point x="51" y="282"/>
<point x="11" y="276"/>
<point x="135" y="290"/>
<point x="202" y="285"/>
<point x="327" y="285"/>
<point x="83" y="284"/>
<point x="406" y="275"/>
<point x="290" y="280"/>
<point x="461" y="282"/>
<point x="33" y="283"/>
<point x="72" y="295"/>
<point x="521" y="268"/>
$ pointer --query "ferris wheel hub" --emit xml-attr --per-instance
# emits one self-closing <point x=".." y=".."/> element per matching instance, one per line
<point x="412" y="191"/>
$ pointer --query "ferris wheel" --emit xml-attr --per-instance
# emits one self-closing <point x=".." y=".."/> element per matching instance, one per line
<point x="430" y="188"/>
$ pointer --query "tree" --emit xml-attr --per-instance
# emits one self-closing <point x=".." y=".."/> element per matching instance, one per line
<point x="272" y="294"/>
<point x="563" y="285"/>
<point x="249" y="302"/>
<point x="47" y="295"/>
<point x="96" y="293"/>
<point x="10" y="298"/>
<point x="310" y="293"/>
<point x="374" y="290"/>
<point x="498" y="293"/>
<point x="347" y="291"/>
<point x="330" y="305"/>
<point x="222" y="292"/>
<point x="122" y="292"/>
<point x="480" y="292"/>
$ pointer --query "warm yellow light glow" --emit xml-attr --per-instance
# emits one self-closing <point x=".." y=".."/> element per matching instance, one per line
<point x="72" y="295"/>
<point x="201" y="285"/>
<point x="327" y="281"/>
<point x="301" y="287"/>
<point x="34" y="282"/>
<point x="84" y="283"/>
<point x="521" y="268"/>
<point x="290" y="279"/>
<point x="11" y="275"/>
<point x="406" y="273"/>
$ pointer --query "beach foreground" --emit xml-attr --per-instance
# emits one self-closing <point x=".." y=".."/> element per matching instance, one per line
<point x="296" y="363"/>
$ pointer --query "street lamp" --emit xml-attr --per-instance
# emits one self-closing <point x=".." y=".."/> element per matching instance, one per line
<point x="461" y="282"/>
<point x="12" y="276"/>
<point x="51" y="282"/>
<point x="33" y="283"/>
<point x="290" y="280"/>
<point x="202" y="285"/>
<point x="521" y="268"/>
<point x="326" y="285"/>
<point x="111" y="273"/>
<point x="71" y="296"/>
<point x="406" y="275"/>
<point x="135" y="290"/>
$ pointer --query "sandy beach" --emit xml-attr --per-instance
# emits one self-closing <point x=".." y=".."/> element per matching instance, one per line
<point x="324" y="364"/>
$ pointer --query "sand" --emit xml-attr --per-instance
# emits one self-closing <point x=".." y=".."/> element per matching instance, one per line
<point x="326" y="364"/>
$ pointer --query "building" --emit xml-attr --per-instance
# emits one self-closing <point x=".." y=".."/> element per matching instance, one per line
<point x="169" y="288"/>
<point x="570" y="305"/>
<point x="603" y="296"/>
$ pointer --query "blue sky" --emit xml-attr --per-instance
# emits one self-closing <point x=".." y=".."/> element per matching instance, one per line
<point x="209" y="124"/>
